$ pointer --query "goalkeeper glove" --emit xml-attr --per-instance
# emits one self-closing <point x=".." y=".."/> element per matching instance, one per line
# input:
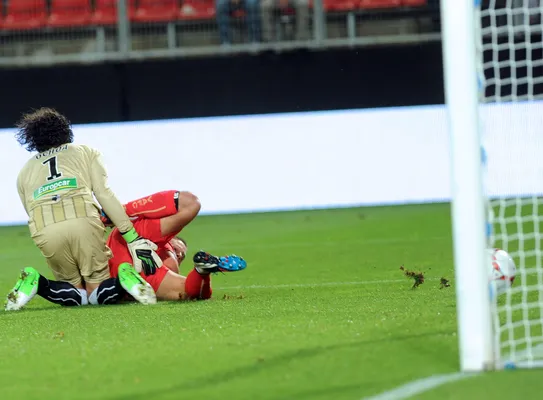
<point x="143" y="252"/>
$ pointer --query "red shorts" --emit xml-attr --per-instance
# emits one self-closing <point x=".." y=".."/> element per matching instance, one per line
<point x="149" y="229"/>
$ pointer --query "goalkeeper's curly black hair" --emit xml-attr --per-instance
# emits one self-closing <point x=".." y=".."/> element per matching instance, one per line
<point x="44" y="129"/>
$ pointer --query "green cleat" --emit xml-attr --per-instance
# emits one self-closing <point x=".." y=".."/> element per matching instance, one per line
<point x="135" y="285"/>
<point x="25" y="289"/>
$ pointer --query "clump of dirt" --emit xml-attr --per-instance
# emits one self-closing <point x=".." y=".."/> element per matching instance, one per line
<point x="418" y="277"/>
<point x="443" y="283"/>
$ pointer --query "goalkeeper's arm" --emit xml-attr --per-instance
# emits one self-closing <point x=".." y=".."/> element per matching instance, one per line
<point x="105" y="196"/>
<point x="142" y="250"/>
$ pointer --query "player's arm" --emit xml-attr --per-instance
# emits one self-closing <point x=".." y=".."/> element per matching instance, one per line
<point x="105" y="196"/>
<point x="141" y="249"/>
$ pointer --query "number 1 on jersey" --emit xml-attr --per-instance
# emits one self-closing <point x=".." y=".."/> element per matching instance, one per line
<point x="53" y="173"/>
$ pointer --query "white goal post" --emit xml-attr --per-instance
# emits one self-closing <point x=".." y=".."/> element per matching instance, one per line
<point x="468" y="215"/>
<point x="493" y="53"/>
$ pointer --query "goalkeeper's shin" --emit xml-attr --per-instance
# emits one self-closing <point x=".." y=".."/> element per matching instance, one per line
<point x="62" y="293"/>
<point x="31" y="283"/>
<point x="128" y="281"/>
<point x="109" y="291"/>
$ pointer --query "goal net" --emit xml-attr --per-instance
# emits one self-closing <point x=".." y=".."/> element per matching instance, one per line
<point x="510" y="69"/>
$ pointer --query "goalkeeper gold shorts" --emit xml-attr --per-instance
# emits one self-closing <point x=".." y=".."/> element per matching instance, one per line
<point x="75" y="250"/>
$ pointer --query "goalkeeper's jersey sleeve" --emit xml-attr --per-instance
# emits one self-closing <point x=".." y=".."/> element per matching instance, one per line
<point x="59" y="184"/>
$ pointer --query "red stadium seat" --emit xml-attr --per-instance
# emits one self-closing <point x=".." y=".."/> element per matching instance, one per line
<point x="25" y="14"/>
<point x="156" y="11"/>
<point x="69" y="13"/>
<point x="380" y="3"/>
<point x="192" y="10"/>
<point x="105" y="12"/>
<point x="414" y="3"/>
<point x="339" y="5"/>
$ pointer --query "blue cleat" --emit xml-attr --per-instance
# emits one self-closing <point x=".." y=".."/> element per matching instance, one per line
<point x="206" y="263"/>
<point x="232" y="263"/>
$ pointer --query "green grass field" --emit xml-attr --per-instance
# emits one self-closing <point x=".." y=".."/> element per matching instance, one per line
<point x="323" y="311"/>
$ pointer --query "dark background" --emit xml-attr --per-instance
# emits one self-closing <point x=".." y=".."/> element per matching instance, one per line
<point x="234" y="85"/>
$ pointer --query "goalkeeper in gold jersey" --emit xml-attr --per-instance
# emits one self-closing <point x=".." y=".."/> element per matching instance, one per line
<point x="56" y="187"/>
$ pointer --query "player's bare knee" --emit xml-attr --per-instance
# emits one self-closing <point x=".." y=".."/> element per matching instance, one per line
<point x="188" y="207"/>
<point x="189" y="203"/>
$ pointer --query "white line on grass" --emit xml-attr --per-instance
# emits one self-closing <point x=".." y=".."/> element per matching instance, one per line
<point x="420" y="386"/>
<point x="324" y="243"/>
<point x="322" y="284"/>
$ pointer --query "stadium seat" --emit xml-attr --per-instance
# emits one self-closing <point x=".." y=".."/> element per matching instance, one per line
<point x="192" y="10"/>
<point x="414" y="3"/>
<point x="69" y="13"/>
<point x="25" y="14"/>
<point x="380" y="3"/>
<point x="339" y="5"/>
<point x="156" y="11"/>
<point x="105" y="12"/>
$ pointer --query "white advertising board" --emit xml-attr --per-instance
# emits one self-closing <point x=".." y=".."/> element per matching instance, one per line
<point x="299" y="161"/>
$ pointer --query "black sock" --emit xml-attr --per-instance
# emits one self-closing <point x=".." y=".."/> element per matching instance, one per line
<point x="58" y="292"/>
<point x="110" y="291"/>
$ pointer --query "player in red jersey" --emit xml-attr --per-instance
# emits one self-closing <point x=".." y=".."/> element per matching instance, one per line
<point x="160" y="217"/>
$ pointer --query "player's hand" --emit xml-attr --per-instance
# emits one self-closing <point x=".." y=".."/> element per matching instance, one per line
<point x="143" y="253"/>
<point x="144" y="256"/>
